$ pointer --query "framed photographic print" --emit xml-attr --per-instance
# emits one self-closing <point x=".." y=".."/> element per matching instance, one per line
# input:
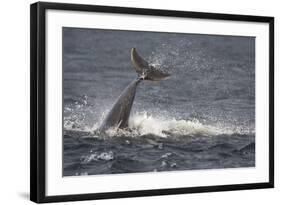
<point x="129" y="102"/>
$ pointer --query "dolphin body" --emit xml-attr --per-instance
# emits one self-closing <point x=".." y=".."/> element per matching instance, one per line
<point x="118" y="116"/>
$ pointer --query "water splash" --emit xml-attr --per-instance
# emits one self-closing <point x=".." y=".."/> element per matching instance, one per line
<point x="142" y="123"/>
<point x="160" y="126"/>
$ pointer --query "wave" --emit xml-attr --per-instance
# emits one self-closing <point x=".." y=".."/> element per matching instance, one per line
<point x="105" y="156"/>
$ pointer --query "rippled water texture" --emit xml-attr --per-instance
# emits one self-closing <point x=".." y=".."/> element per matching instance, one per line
<point x="202" y="117"/>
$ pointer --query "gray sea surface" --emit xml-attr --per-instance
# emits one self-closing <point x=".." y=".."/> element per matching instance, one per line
<point x="202" y="117"/>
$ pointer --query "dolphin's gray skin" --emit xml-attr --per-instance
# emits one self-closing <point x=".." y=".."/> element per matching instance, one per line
<point x="118" y="116"/>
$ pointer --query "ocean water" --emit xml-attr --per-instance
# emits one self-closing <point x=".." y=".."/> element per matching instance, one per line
<point x="202" y="117"/>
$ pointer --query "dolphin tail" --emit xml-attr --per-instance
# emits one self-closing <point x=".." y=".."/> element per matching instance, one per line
<point x="146" y="71"/>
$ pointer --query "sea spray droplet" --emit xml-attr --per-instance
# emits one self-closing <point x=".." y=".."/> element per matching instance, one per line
<point x="106" y="156"/>
<point x="173" y="165"/>
<point x="160" y="146"/>
<point x="163" y="164"/>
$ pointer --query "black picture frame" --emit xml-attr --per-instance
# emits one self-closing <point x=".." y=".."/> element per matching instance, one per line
<point x="38" y="101"/>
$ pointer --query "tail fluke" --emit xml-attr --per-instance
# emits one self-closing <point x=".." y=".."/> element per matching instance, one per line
<point x="146" y="71"/>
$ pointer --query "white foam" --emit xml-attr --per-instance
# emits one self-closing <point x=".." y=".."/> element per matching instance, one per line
<point x="148" y="124"/>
